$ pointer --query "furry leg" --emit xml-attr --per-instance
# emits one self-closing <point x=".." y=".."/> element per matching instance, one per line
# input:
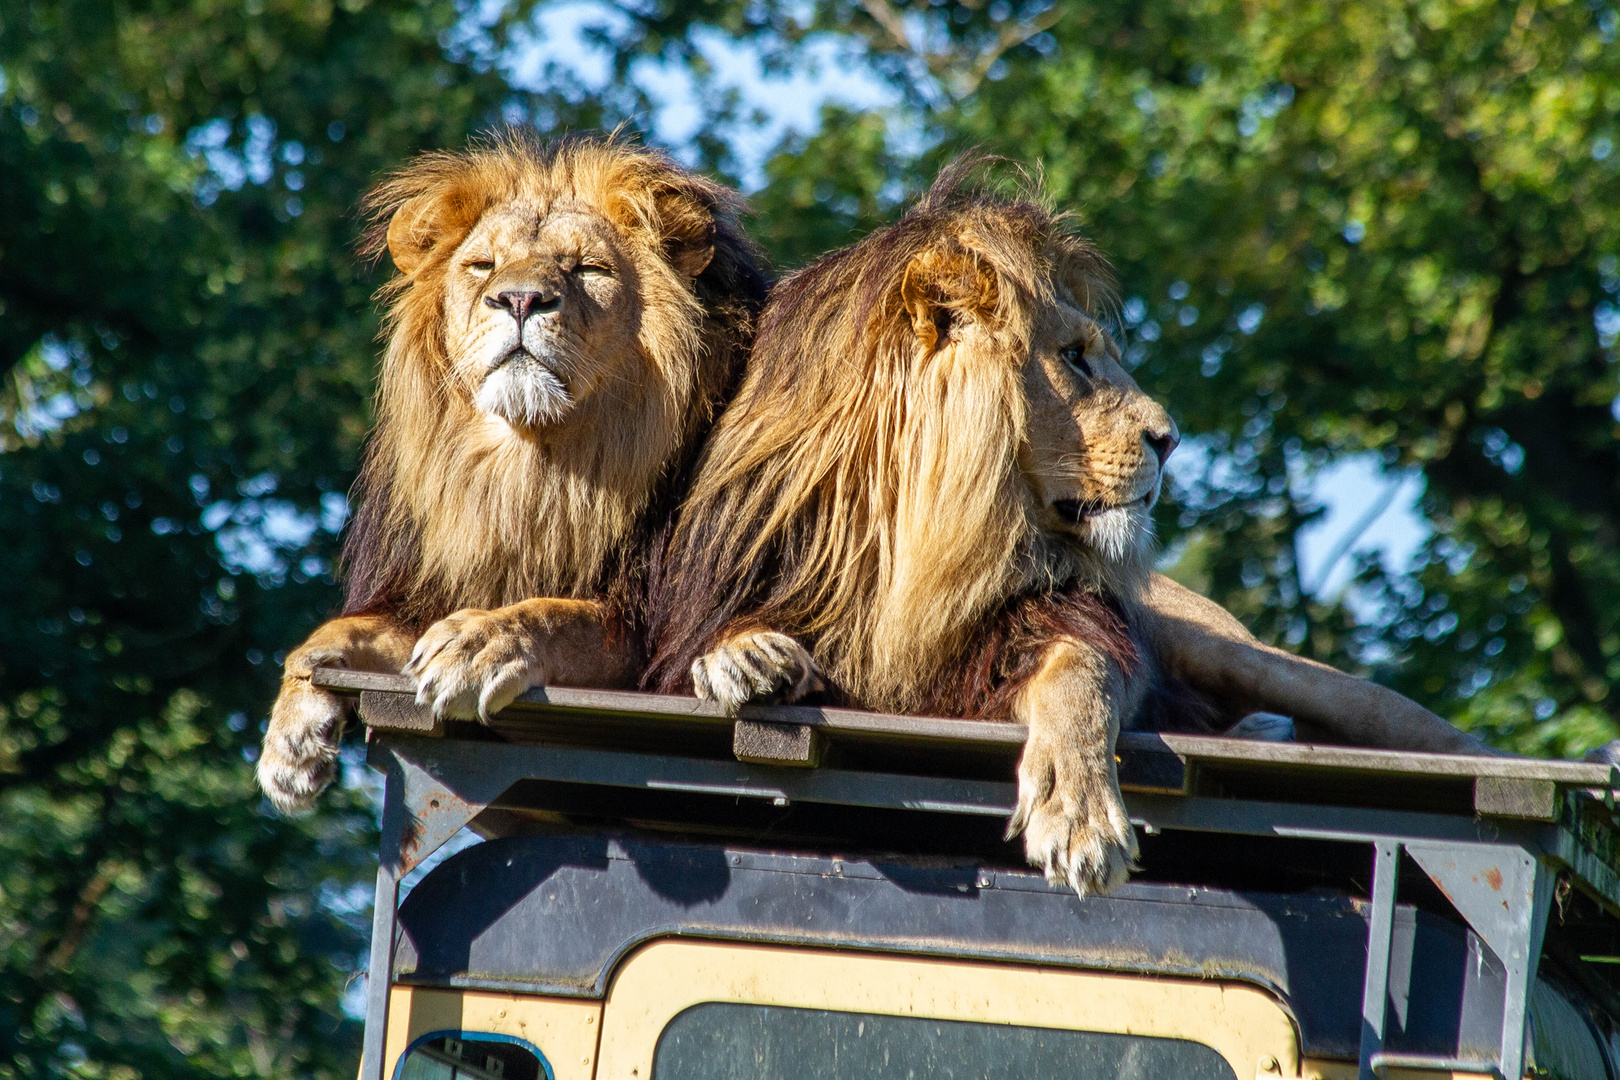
<point x="1200" y="643"/>
<point x="299" y="755"/>
<point x="1069" y="805"/>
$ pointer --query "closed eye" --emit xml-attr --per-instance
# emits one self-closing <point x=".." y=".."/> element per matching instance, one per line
<point x="593" y="269"/>
<point x="1075" y="356"/>
<point x="479" y="266"/>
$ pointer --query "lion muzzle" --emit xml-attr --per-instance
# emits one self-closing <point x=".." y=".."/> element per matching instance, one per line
<point x="524" y="389"/>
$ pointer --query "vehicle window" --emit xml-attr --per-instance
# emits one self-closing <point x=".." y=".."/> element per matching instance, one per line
<point x="467" y="1057"/>
<point x="728" y="1041"/>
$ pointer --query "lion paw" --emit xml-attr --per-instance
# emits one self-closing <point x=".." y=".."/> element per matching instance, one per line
<point x="1073" y="818"/>
<point x="299" y="755"/>
<point x="762" y="666"/>
<point x="473" y="664"/>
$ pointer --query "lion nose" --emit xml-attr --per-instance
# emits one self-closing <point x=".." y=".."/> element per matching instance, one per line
<point x="1163" y="442"/>
<point x="525" y="302"/>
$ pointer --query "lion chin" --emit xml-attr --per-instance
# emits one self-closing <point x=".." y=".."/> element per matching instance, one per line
<point x="524" y="392"/>
<point x="1120" y="536"/>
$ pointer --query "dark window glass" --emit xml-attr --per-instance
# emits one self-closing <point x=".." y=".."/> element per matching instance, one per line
<point x="467" y="1057"/>
<point x="725" y="1041"/>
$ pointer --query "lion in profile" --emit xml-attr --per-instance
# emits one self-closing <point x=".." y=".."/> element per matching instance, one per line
<point x="933" y="494"/>
<point x="566" y="319"/>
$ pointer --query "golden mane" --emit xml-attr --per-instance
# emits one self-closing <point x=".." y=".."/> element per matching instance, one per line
<point x="451" y="514"/>
<point x="863" y="490"/>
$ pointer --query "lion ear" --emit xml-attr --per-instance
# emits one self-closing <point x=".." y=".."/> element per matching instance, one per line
<point x="423" y="222"/>
<point x="687" y="227"/>
<point x="942" y="287"/>
<point x="690" y="257"/>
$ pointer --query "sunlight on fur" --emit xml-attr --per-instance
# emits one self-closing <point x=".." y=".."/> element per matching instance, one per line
<point x="906" y="443"/>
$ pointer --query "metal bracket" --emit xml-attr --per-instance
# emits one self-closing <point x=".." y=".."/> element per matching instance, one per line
<point x="1503" y="892"/>
<point x="1382" y="1063"/>
<point x="1375" y="987"/>
<point x="407" y="839"/>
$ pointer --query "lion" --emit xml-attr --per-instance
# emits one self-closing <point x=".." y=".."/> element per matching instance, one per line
<point x="933" y="494"/>
<point x="566" y="319"/>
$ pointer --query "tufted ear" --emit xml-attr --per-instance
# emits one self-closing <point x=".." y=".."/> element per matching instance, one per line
<point x="942" y="286"/>
<point x="687" y="226"/>
<point x="423" y="222"/>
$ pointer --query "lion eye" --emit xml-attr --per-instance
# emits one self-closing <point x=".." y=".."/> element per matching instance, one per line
<point x="1075" y="357"/>
<point x="592" y="269"/>
<point x="480" y="266"/>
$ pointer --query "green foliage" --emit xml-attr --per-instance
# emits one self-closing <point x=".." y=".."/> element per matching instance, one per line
<point x="187" y="344"/>
<point x="1384" y="228"/>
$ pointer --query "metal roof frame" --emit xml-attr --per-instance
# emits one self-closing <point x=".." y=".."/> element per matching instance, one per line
<point x="1497" y="833"/>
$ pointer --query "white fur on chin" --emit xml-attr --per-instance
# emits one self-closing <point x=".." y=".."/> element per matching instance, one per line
<point x="1121" y="532"/>
<point x="524" y="394"/>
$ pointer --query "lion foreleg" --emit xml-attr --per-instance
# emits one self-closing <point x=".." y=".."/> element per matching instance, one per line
<point x="299" y="754"/>
<point x="755" y="666"/>
<point x="1200" y="643"/>
<point x="1069" y="806"/>
<point x="472" y="664"/>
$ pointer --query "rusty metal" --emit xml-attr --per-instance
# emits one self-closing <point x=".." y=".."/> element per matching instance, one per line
<point x="1505" y="893"/>
<point x="420" y="813"/>
<point x="1496" y="869"/>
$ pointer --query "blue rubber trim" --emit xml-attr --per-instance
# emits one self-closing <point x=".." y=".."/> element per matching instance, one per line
<point x="474" y="1036"/>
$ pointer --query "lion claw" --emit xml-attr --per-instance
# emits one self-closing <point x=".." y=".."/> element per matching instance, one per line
<point x="1074" y="823"/>
<point x="471" y="665"/>
<point x="761" y="666"/>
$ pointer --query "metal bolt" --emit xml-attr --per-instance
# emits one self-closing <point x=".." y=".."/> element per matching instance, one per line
<point x="1269" y="1064"/>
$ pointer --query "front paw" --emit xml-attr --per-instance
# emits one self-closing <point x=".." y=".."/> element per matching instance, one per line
<point x="299" y="755"/>
<point x="473" y="664"/>
<point x="1073" y="818"/>
<point x="759" y="666"/>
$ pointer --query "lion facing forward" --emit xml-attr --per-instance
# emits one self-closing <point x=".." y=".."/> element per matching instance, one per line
<point x="566" y="318"/>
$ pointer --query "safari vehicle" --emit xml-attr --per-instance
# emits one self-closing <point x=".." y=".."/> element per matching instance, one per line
<point x="666" y="894"/>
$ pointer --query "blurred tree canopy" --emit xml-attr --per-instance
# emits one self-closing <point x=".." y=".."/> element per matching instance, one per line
<point x="1380" y="229"/>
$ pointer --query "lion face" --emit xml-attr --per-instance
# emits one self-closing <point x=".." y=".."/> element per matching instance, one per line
<point x="1096" y="444"/>
<point x="537" y="309"/>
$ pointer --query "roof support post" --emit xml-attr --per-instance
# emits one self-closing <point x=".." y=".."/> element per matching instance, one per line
<point x="420" y="813"/>
<point x="1375" y="988"/>
<point x="384" y="918"/>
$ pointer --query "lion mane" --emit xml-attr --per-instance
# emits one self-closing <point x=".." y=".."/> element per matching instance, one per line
<point x="453" y="516"/>
<point x="866" y="497"/>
